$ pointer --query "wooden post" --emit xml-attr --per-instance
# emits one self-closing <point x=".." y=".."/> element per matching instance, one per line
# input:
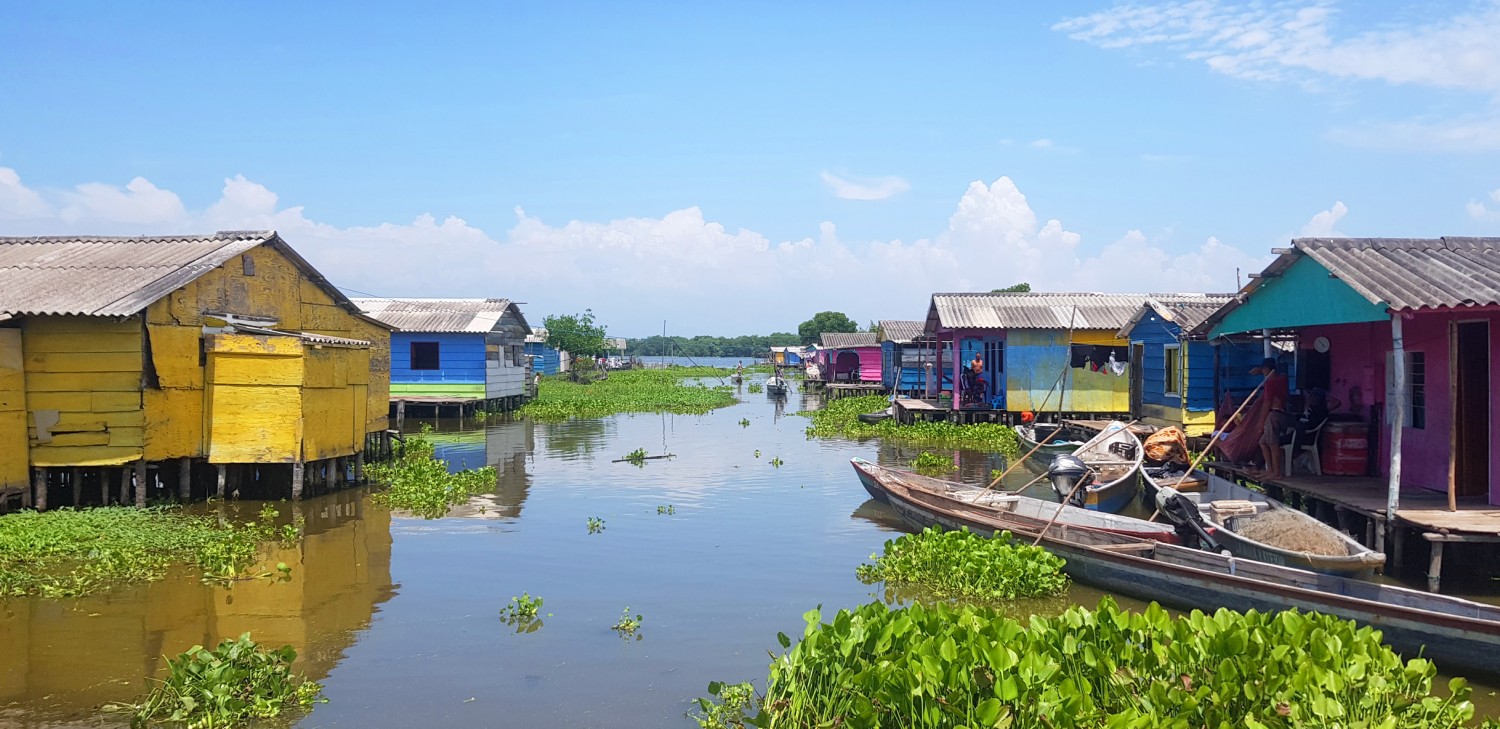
<point x="124" y="486"/>
<point x="140" y="482"/>
<point x="359" y="468"/>
<point x="339" y="472"/>
<point x="184" y="478"/>
<point x="41" y="489"/>
<point x="1398" y="420"/>
<point x="298" y="474"/>
<point x="1435" y="567"/>
<point x="104" y="487"/>
<point x="223" y="478"/>
<point x="400" y="413"/>
<point x="75" y="479"/>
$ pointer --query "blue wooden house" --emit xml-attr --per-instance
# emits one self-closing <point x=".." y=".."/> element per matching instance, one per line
<point x="544" y="359"/>
<point x="462" y="352"/>
<point x="907" y="358"/>
<point x="1177" y="374"/>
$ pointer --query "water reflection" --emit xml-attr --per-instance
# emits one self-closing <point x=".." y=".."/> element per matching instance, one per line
<point x="576" y="439"/>
<point x="61" y="659"/>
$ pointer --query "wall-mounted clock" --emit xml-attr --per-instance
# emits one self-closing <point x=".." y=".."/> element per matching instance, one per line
<point x="1321" y="344"/>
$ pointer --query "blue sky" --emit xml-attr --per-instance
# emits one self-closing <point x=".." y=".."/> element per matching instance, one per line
<point x="733" y="169"/>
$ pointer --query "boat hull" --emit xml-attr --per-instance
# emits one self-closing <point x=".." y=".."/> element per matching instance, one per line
<point x="1045" y="451"/>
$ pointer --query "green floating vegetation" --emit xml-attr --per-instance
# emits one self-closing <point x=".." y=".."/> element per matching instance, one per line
<point x="966" y="666"/>
<point x="933" y="464"/>
<point x="420" y="483"/>
<point x="666" y="510"/>
<point x="728" y="709"/>
<point x="840" y="418"/>
<point x="523" y="612"/>
<point x="636" y="457"/>
<point x="629" y="391"/>
<point x="596" y="525"/>
<point x="232" y="684"/>
<point x="627" y="625"/>
<point x="755" y="387"/>
<point x="68" y="552"/>
<point x="962" y="564"/>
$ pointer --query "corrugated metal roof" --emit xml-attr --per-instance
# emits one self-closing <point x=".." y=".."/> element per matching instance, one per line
<point x="439" y="315"/>
<point x="304" y="336"/>
<point x="848" y="340"/>
<point x="1400" y="273"/>
<point x="1031" y="311"/>
<point x="1405" y="273"/>
<point x="109" y="276"/>
<point x="900" y="330"/>
<point x="1184" y="310"/>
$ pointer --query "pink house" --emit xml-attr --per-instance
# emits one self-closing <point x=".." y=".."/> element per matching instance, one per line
<point x="1401" y="334"/>
<point x="850" y="357"/>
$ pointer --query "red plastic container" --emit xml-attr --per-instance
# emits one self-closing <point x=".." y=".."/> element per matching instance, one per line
<point x="1344" y="448"/>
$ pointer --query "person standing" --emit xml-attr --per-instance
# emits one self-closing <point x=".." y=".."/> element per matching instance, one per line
<point x="1275" y="393"/>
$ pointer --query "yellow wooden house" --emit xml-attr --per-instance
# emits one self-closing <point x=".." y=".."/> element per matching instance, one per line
<point x="170" y="363"/>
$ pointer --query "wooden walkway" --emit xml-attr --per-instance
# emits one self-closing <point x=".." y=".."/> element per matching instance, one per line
<point x="1347" y="500"/>
<point x="911" y="410"/>
<point x="854" y="389"/>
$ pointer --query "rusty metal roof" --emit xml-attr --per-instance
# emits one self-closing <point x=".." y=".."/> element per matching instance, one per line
<point x="848" y="340"/>
<point x="119" y="275"/>
<point x="441" y="315"/>
<point x="1405" y="273"/>
<point x="1031" y="311"/>
<point x="1184" y="310"/>
<point x="900" y="330"/>
<point x="1399" y="273"/>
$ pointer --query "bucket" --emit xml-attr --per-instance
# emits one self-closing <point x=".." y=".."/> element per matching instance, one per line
<point x="1344" y="446"/>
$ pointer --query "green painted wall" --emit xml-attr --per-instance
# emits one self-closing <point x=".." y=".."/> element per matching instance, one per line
<point x="1304" y="295"/>
<point x="437" y="389"/>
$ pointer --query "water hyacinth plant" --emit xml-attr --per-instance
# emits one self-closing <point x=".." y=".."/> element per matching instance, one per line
<point x="627" y="626"/>
<point x="636" y="457"/>
<point x="596" y="525"/>
<point x="420" y="483"/>
<point x="235" y="683"/>
<point x="840" y="418"/>
<point x="523" y="612"/>
<point x="629" y="391"/>
<point x="967" y="666"/>
<point x="933" y="464"/>
<point x="962" y="564"/>
<point x="67" y="552"/>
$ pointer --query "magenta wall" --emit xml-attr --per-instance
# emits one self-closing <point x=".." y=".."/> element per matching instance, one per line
<point x="869" y="363"/>
<point x="1357" y="359"/>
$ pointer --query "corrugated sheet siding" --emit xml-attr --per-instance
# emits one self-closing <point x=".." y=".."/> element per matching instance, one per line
<point x="548" y="362"/>
<point x="848" y="340"/>
<point x="900" y="330"/>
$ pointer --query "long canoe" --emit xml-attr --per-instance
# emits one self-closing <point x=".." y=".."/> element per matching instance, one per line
<point x="1115" y="456"/>
<point x="1457" y="633"/>
<point x="1056" y="444"/>
<point x="1214" y="496"/>
<point x="876" y="480"/>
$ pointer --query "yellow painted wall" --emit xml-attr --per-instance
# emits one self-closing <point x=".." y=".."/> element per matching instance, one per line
<point x="334" y="401"/>
<point x="1035" y="357"/>
<point x="254" y="398"/>
<point x="14" y="467"/>
<point x="83" y="390"/>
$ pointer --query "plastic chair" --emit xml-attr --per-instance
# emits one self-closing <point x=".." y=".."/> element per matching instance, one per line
<point x="1308" y="452"/>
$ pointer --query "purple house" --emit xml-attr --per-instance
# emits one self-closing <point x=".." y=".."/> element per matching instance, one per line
<point x="850" y="357"/>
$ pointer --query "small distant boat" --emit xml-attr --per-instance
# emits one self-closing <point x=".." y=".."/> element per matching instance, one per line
<point x="1254" y="526"/>
<point x="1457" y="633"/>
<point x="875" y="417"/>
<point x="776" y="386"/>
<point x="880" y="482"/>
<point x="1106" y="467"/>
<point x="736" y="378"/>
<point x="1031" y="437"/>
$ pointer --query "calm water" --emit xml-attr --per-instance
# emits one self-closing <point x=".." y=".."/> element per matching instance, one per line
<point x="398" y="616"/>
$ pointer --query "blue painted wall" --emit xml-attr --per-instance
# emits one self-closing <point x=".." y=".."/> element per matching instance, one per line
<point x="550" y="361"/>
<point x="905" y="380"/>
<point x="460" y="358"/>
<point x="1155" y="334"/>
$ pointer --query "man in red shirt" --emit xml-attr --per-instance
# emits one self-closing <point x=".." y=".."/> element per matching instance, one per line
<point x="1277" y="420"/>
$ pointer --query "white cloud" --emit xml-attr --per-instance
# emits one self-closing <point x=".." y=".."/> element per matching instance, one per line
<point x="865" y="188"/>
<point x="1296" y="40"/>
<point x="634" y="272"/>
<point x="1043" y="143"/>
<point x="1322" y="224"/>
<point x="1466" y="133"/>
<point x="1479" y="211"/>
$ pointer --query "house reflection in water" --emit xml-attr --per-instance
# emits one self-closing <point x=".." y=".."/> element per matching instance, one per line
<point x="65" y="658"/>
<point x="505" y="443"/>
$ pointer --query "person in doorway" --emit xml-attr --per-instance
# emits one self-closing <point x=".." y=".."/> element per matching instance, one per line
<point x="974" y="387"/>
<point x="1274" y="393"/>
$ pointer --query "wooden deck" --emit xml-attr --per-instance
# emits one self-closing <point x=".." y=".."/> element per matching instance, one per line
<point x="1347" y="500"/>
<point x="854" y="389"/>
<point x="911" y="409"/>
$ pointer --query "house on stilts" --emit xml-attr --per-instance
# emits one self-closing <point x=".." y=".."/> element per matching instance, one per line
<point x="1176" y="374"/>
<point x="136" y="368"/>
<point x="454" y="355"/>
<point x="907" y="357"/>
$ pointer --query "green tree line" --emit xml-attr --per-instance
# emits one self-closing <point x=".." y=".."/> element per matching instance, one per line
<point x="749" y="345"/>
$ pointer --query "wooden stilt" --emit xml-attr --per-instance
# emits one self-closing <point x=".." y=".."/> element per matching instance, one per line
<point x="140" y="482"/>
<point x="75" y="479"/>
<point x="124" y="486"/>
<point x="184" y="478"/>
<point x="41" y="489"/>
<point x="1435" y="567"/>
<point x="223" y="480"/>
<point x="400" y="414"/>
<point x="359" y="468"/>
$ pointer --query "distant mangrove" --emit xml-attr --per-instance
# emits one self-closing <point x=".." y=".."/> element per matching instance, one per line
<point x="841" y="418"/>
<point x="629" y="391"/>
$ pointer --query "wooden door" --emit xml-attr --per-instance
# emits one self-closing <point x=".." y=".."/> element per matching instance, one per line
<point x="1471" y="408"/>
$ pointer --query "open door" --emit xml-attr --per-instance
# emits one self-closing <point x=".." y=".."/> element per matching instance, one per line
<point x="1471" y="408"/>
<point x="1137" y="379"/>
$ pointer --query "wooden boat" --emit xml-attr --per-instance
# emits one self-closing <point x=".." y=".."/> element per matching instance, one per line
<point x="776" y="386"/>
<point x="1056" y="444"/>
<point x="1113" y="457"/>
<point x="875" y="417"/>
<point x="1457" y="633"/>
<point x="736" y="378"/>
<point x="876" y="479"/>
<point x="1231" y="508"/>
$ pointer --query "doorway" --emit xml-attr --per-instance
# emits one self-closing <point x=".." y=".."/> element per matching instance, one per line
<point x="1137" y="378"/>
<point x="1471" y="408"/>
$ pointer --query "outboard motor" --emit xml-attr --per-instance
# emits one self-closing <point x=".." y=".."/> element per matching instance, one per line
<point x="1069" y="475"/>
<point x="1188" y="523"/>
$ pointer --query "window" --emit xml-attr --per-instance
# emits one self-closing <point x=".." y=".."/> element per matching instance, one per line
<point x="247" y="264"/>
<point x="994" y="356"/>
<point x="1313" y="370"/>
<point x="1172" y="362"/>
<point x="424" y="355"/>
